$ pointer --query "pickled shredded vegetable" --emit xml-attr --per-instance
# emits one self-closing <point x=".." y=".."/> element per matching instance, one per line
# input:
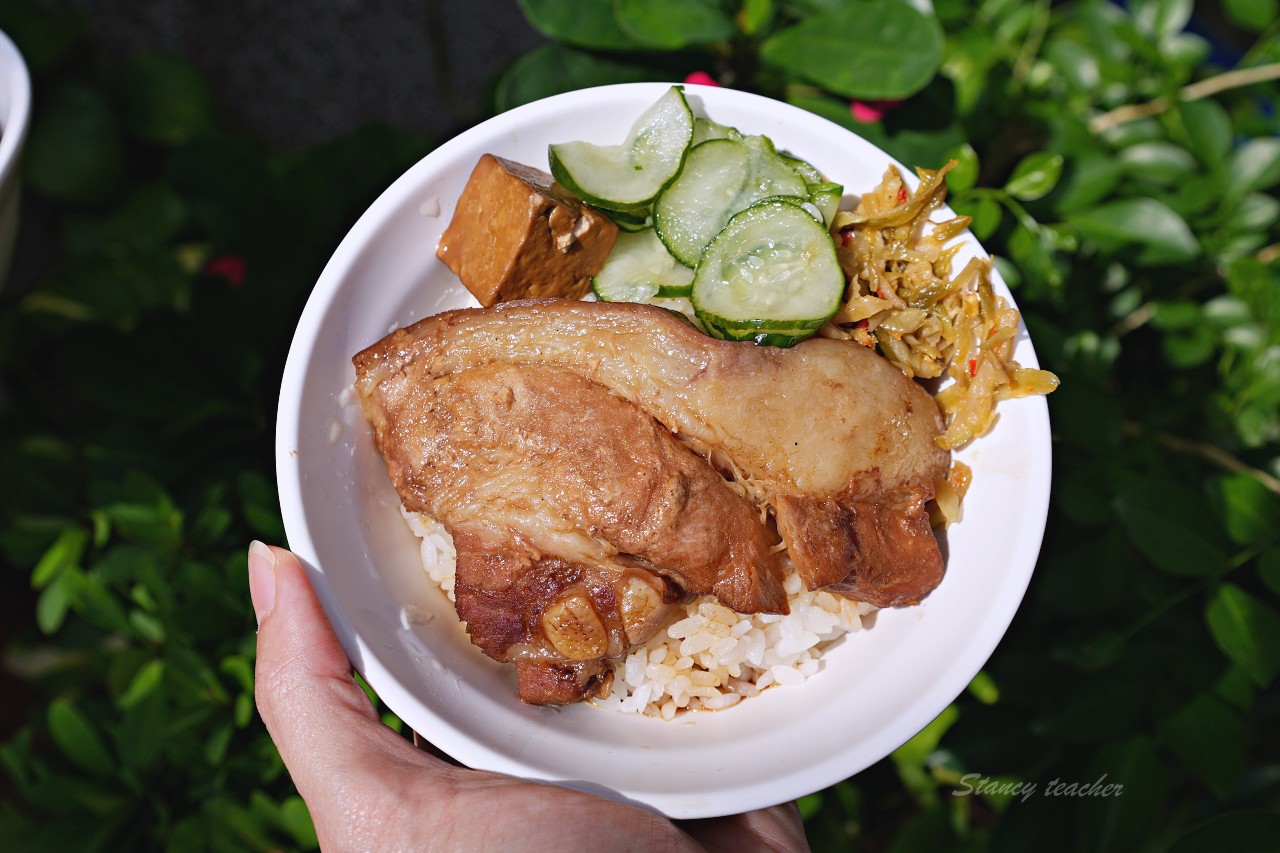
<point x="903" y="299"/>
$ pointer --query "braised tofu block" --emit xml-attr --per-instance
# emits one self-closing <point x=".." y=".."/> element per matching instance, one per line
<point x="517" y="233"/>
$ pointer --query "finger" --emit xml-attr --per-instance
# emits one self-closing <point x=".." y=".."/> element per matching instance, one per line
<point x="778" y="828"/>
<point x="321" y="720"/>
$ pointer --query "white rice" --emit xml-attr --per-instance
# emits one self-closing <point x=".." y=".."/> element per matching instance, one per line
<point x="438" y="555"/>
<point x="708" y="657"/>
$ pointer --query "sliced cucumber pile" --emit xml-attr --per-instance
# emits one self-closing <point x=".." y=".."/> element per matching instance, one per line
<point x="710" y="212"/>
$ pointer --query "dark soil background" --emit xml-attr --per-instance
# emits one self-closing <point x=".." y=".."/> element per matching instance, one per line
<point x="297" y="72"/>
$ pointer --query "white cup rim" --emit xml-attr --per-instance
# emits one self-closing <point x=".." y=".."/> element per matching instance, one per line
<point x="13" y="124"/>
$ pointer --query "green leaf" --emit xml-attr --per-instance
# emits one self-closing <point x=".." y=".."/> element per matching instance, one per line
<point x="140" y="510"/>
<point x="1208" y="128"/>
<point x="139" y="740"/>
<point x="986" y="214"/>
<point x="1035" y="253"/>
<point x="144" y="683"/>
<point x="52" y="605"/>
<point x="1246" y="630"/>
<point x="147" y="627"/>
<point x="1035" y="176"/>
<point x="965" y="174"/>
<point x="1183" y="53"/>
<point x="99" y="607"/>
<point x="1255" y="214"/>
<point x="75" y="151"/>
<point x="241" y="669"/>
<point x="912" y="756"/>
<point x="1189" y="340"/>
<point x="1269" y="570"/>
<point x="242" y="827"/>
<point x="65" y="552"/>
<point x="927" y="739"/>
<point x="42" y="35"/>
<point x="149" y="218"/>
<point x="243" y="712"/>
<point x="1158" y="161"/>
<point x="215" y="748"/>
<point x="585" y="23"/>
<point x="755" y="16"/>
<point x="1234" y="832"/>
<point x="1258" y="286"/>
<point x="809" y="805"/>
<point x="1110" y="36"/>
<point x="1254" y="166"/>
<point x="672" y="24"/>
<point x="297" y="822"/>
<point x="1210" y="739"/>
<point x="1254" y="15"/>
<point x="870" y="49"/>
<point x="1122" y="820"/>
<point x="1166" y="522"/>
<point x="1087" y="180"/>
<point x="1235" y="688"/>
<point x="1251" y="510"/>
<point x="1075" y="63"/>
<point x="1158" y="19"/>
<point x="260" y="505"/>
<point x="1110" y="707"/>
<point x="78" y="739"/>
<point x="984" y="689"/>
<point x="928" y="829"/>
<point x="166" y="101"/>
<point x="554" y="68"/>
<point x="1157" y="235"/>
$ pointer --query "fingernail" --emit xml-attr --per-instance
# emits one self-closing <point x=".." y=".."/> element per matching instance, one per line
<point x="262" y="579"/>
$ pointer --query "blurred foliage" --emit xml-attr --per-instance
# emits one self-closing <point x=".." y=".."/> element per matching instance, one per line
<point x="1123" y="167"/>
<point x="139" y="376"/>
<point x="1122" y="163"/>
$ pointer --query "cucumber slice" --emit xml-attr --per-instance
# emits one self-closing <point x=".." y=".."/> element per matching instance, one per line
<point x="823" y="201"/>
<point x="772" y="273"/>
<point x="630" y="221"/>
<point x="802" y="203"/>
<point x="803" y="168"/>
<point x="626" y="177"/>
<point x="826" y="197"/>
<point x="771" y="174"/>
<point x="720" y="178"/>
<point x="640" y="268"/>
<point x="690" y="212"/>
<point x="763" y="338"/>
<point x="705" y="129"/>
<point x="824" y="194"/>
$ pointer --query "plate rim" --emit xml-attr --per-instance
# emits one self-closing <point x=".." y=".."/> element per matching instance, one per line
<point x="382" y="677"/>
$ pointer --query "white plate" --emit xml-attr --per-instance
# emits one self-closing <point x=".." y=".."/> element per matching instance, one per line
<point x="877" y="688"/>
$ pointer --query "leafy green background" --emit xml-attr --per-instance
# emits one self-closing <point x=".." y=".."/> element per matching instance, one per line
<point x="1121" y="161"/>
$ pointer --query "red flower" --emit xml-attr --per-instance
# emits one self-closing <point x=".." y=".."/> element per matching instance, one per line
<point x="228" y="267"/>
<point x="867" y="112"/>
<point x="701" y="78"/>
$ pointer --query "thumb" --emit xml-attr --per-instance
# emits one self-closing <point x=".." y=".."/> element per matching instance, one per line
<point x="321" y="721"/>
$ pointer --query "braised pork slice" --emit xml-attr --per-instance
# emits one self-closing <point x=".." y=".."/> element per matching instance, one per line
<point x="825" y="424"/>
<point x="883" y="553"/>
<point x="558" y="621"/>
<point x="568" y="506"/>
<point x="580" y="472"/>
